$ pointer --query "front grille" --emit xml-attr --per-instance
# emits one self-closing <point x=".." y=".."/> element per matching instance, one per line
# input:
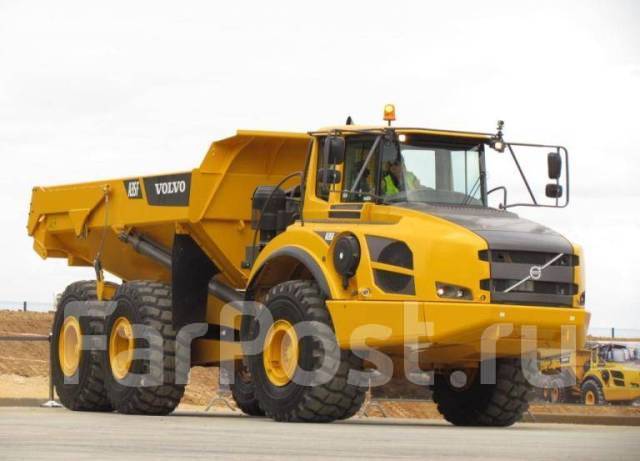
<point x="527" y="257"/>
<point x="530" y="286"/>
<point x="554" y="287"/>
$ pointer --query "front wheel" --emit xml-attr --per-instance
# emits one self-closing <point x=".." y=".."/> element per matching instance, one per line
<point x="475" y="404"/>
<point x="300" y="373"/>
<point x="592" y="393"/>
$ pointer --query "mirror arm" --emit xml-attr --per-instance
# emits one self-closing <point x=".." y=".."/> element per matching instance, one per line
<point x="503" y="205"/>
<point x="566" y="187"/>
<point x="524" y="178"/>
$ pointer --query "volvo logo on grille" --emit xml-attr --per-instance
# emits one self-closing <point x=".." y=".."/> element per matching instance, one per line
<point x="535" y="272"/>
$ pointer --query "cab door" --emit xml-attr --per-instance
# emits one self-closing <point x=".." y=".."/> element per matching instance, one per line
<point x="359" y="188"/>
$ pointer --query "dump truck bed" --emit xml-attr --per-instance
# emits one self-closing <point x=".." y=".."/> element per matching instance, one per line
<point x="212" y="203"/>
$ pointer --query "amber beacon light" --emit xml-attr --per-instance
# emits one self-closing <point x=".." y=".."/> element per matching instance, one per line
<point x="389" y="113"/>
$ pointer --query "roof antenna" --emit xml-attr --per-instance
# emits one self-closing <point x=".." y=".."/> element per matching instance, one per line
<point x="349" y="120"/>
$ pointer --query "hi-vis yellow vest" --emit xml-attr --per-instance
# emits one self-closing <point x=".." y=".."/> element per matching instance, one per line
<point x="390" y="188"/>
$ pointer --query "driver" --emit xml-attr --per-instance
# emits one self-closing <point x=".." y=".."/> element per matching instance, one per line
<point x="397" y="179"/>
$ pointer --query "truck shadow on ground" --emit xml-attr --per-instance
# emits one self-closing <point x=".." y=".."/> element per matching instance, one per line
<point x="395" y="422"/>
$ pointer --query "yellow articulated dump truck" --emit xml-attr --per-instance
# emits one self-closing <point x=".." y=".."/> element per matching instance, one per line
<point x="596" y="375"/>
<point x="303" y="261"/>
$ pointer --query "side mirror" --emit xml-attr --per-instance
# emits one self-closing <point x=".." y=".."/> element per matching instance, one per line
<point x="553" y="191"/>
<point x="554" y="165"/>
<point x="329" y="176"/>
<point x="334" y="147"/>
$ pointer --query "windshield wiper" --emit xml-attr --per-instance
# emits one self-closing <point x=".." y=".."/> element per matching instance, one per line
<point x="469" y="196"/>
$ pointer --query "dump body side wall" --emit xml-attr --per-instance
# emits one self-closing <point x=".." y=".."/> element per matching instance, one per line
<point x="65" y="224"/>
<point x="214" y="206"/>
<point x="220" y="220"/>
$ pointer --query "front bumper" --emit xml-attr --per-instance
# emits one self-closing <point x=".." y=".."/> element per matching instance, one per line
<point x="465" y="330"/>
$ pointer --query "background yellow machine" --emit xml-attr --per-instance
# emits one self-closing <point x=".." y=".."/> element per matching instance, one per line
<point x="377" y="240"/>
<point x="599" y="374"/>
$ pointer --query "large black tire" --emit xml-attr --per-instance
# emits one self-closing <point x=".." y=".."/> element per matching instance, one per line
<point x="243" y="391"/>
<point x="146" y="303"/>
<point x="500" y="404"/>
<point x="302" y="301"/>
<point x="89" y="394"/>
<point x="592" y="388"/>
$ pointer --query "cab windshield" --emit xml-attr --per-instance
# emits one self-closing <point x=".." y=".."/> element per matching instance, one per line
<point x="618" y="355"/>
<point x="413" y="169"/>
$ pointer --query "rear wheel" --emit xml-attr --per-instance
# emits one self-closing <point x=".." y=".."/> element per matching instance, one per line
<point x="592" y="393"/>
<point x="78" y="374"/>
<point x="476" y="404"/>
<point x="142" y="324"/>
<point x="557" y="392"/>
<point x="298" y="347"/>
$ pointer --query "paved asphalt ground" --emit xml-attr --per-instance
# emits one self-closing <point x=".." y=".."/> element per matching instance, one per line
<point x="38" y="433"/>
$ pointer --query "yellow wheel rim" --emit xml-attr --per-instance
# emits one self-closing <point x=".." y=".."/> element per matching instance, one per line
<point x="555" y="394"/>
<point x="280" y="356"/>
<point x="590" y="398"/>
<point x="70" y="346"/>
<point x="121" y="347"/>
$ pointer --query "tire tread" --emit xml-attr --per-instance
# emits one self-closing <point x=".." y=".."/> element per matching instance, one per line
<point x="500" y="404"/>
<point x="156" y="311"/>
<point x="335" y="399"/>
<point x="92" y="395"/>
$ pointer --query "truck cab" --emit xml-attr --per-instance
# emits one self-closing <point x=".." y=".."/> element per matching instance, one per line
<point x="613" y="373"/>
<point x="396" y="223"/>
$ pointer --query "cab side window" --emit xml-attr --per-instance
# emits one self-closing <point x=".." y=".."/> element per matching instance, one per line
<point x="357" y="150"/>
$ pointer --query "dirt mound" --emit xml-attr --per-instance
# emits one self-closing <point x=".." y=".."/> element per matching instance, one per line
<point x="25" y="322"/>
<point x="24" y="358"/>
<point x="398" y="388"/>
<point x="24" y="387"/>
<point x="202" y="387"/>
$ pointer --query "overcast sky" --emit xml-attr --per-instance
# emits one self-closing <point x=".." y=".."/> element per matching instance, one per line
<point x="93" y="90"/>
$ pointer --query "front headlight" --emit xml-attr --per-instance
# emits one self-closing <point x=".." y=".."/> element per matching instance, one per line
<point x="449" y="291"/>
